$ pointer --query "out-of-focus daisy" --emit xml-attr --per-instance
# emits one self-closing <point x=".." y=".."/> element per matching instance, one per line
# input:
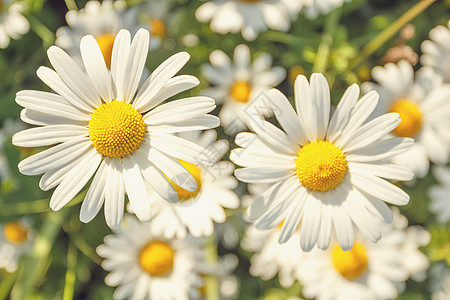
<point x="153" y="15"/>
<point x="422" y="102"/>
<point x="15" y="240"/>
<point x="12" y="23"/>
<point x="240" y="85"/>
<point x="324" y="172"/>
<point x="223" y="271"/>
<point x="367" y="271"/>
<point x="436" y="51"/>
<point x="313" y="8"/>
<point x="101" y="20"/>
<point x="272" y="258"/>
<point x="197" y="211"/>
<point x="248" y="16"/>
<point x="440" y="281"/>
<point x="106" y="128"/>
<point x="439" y="194"/>
<point x="10" y="127"/>
<point x="146" y="265"/>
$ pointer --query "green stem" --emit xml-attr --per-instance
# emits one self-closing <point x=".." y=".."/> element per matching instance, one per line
<point x="37" y="263"/>
<point x="324" y="50"/>
<point x="7" y="283"/>
<point x="70" y="273"/>
<point x="387" y="33"/>
<point x="71" y="5"/>
<point x="211" y="282"/>
<point x="34" y="207"/>
<point x="82" y="245"/>
<point x="42" y="31"/>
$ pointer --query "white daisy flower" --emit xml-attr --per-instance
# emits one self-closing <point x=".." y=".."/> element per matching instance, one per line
<point x="367" y="271"/>
<point x="16" y="238"/>
<point x="240" y="85"/>
<point x="436" y="53"/>
<point x="422" y="102"/>
<point x="439" y="194"/>
<point x="102" y="20"/>
<point x="324" y="172"/>
<point x="108" y="129"/>
<point x="197" y="210"/>
<point x="154" y="16"/>
<point x="248" y="16"/>
<point x="272" y="258"/>
<point x="146" y="265"/>
<point x="12" y="23"/>
<point x="313" y="8"/>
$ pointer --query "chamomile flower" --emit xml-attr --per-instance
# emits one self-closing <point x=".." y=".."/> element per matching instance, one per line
<point x="12" y="23"/>
<point x="323" y="172"/>
<point x="146" y="265"/>
<point x="422" y="102"/>
<point x="248" y="16"/>
<point x="440" y="281"/>
<point x="367" y="271"/>
<point x="436" y="51"/>
<point x="16" y="238"/>
<point x="240" y="85"/>
<point x="101" y="20"/>
<point x="313" y="8"/>
<point x="155" y="16"/>
<point x="196" y="211"/>
<point x="439" y="194"/>
<point x="103" y="127"/>
<point x="272" y="258"/>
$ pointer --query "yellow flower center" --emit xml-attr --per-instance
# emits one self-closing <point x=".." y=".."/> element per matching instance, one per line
<point x="156" y="258"/>
<point x="106" y="42"/>
<point x="195" y="171"/>
<point x="321" y="166"/>
<point x="240" y="91"/>
<point x="116" y="129"/>
<point x="352" y="263"/>
<point x="157" y="28"/>
<point x="15" y="232"/>
<point x="410" y="116"/>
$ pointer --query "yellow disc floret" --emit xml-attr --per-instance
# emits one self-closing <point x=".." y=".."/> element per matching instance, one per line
<point x="321" y="166"/>
<point x="116" y="129"/>
<point x="195" y="171"/>
<point x="157" y="28"/>
<point x="156" y="258"/>
<point x="106" y="42"/>
<point x="410" y="116"/>
<point x="350" y="264"/>
<point x="15" y="232"/>
<point x="240" y="91"/>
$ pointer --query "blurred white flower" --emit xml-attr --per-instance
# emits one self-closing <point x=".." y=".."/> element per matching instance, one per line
<point x="325" y="172"/>
<point x="106" y="128"/>
<point x="16" y="238"/>
<point x="440" y="194"/>
<point x="440" y="281"/>
<point x="101" y="20"/>
<point x="436" y="51"/>
<point x="369" y="270"/>
<point x="313" y="8"/>
<point x="145" y="265"/>
<point x="422" y="102"/>
<point x="196" y="211"/>
<point x="248" y="16"/>
<point x="240" y="85"/>
<point x="12" y="23"/>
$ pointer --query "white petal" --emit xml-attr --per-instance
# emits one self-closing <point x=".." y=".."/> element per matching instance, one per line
<point x="177" y="85"/>
<point x="48" y="135"/>
<point x="274" y="138"/>
<point x="309" y="232"/>
<point x="343" y="228"/>
<point x="115" y="193"/>
<point x="95" y="65"/>
<point x="320" y="97"/>
<point x="135" y="188"/>
<point x="119" y="62"/>
<point x="95" y="196"/>
<point x="75" y="180"/>
<point x="263" y="174"/>
<point x="381" y="150"/>
<point x="388" y="171"/>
